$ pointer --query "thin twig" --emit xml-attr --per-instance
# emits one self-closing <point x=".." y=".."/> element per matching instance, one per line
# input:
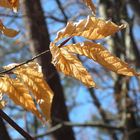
<point x="94" y="124"/>
<point x="49" y="131"/>
<point x="25" y="62"/>
<point x="71" y="124"/>
<point x="64" y="42"/>
<point x="35" y="57"/>
<point x="14" y="125"/>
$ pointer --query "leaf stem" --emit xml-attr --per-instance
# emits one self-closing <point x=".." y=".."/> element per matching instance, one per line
<point x="64" y="42"/>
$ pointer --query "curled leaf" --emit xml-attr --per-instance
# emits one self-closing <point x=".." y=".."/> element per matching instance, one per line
<point x="91" y="28"/>
<point x="68" y="64"/>
<point x="101" y="55"/>
<point x="6" y="31"/>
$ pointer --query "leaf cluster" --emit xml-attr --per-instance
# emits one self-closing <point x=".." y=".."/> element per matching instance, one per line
<point x="29" y="85"/>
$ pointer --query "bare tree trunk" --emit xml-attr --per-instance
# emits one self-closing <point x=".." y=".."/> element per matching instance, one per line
<point x="39" y="42"/>
<point x="3" y="131"/>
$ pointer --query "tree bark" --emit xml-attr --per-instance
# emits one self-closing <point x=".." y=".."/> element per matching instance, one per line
<point x="39" y="42"/>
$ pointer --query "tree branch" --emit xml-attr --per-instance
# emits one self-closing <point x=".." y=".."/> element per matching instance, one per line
<point x="89" y="124"/>
<point x="35" y="57"/>
<point x="14" y="125"/>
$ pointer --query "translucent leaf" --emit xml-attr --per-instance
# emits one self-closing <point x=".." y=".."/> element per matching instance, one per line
<point x="91" y="28"/>
<point x="69" y="65"/>
<point x="18" y="93"/>
<point x="91" y="6"/>
<point x="31" y="75"/>
<point x="102" y="56"/>
<point x="8" y="32"/>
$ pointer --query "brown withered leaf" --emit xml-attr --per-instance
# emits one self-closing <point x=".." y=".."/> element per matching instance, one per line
<point x="6" y="31"/>
<point x="69" y="65"/>
<point x="91" y="28"/>
<point x="101" y="55"/>
<point x="91" y="6"/>
<point x="12" y="4"/>
<point x="31" y="75"/>
<point x="17" y="91"/>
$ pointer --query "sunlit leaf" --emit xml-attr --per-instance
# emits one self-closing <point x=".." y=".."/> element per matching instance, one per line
<point x="102" y="56"/>
<point x="17" y="91"/>
<point x="91" y="28"/>
<point x="69" y="65"/>
<point x="31" y="75"/>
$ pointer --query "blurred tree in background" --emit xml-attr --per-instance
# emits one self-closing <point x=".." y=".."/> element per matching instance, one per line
<point x="111" y="112"/>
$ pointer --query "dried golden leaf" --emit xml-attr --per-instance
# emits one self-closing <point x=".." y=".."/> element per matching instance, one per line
<point x="101" y="55"/>
<point x="91" y="28"/>
<point x="12" y="4"/>
<point x="31" y="75"/>
<point x="17" y="91"/>
<point x="69" y="65"/>
<point x="91" y="6"/>
<point x="8" y="32"/>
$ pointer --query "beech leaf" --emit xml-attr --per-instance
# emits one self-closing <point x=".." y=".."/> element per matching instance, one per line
<point x="102" y="56"/>
<point x="91" y="28"/>
<point x="18" y="93"/>
<point x="69" y="64"/>
<point x="31" y="75"/>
